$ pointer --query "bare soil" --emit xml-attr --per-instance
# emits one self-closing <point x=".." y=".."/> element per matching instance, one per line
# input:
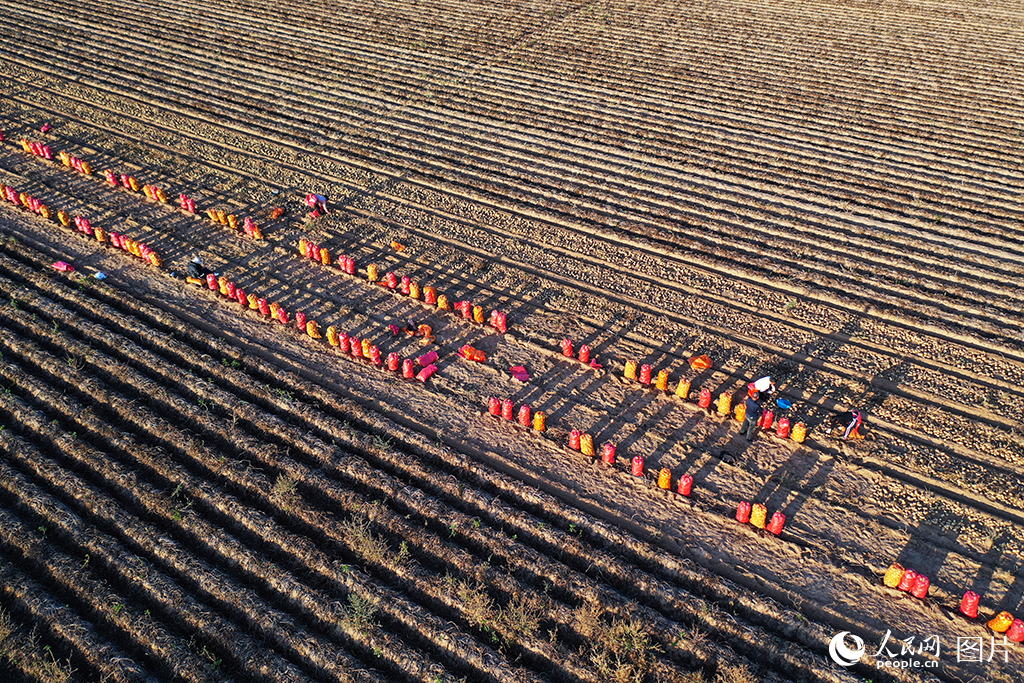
<point x="821" y="192"/>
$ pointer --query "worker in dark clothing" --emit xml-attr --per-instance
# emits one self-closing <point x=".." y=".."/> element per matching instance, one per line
<point x="196" y="268"/>
<point x="754" y="410"/>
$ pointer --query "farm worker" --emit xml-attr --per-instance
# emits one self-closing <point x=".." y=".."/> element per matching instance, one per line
<point x="196" y="268"/>
<point x="752" y="416"/>
<point x="754" y="410"/>
<point x="765" y="385"/>
<point x="318" y="203"/>
<point x="853" y="421"/>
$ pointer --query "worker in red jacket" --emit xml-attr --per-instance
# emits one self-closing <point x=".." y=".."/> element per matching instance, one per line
<point x="318" y="203"/>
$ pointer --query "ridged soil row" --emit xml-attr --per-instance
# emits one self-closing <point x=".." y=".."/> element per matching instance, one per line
<point x="954" y="392"/>
<point x="72" y="636"/>
<point x="60" y="189"/>
<point x="775" y="70"/>
<point x="463" y="32"/>
<point x="891" y="290"/>
<point x="219" y="433"/>
<point x="327" y="75"/>
<point x="57" y="560"/>
<point x="255" y="519"/>
<point x="781" y="63"/>
<point x="497" y="244"/>
<point x="939" y="411"/>
<point x="234" y="21"/>
<point x="165" y="229"/>
<point x="591" y="59"/>
<point x="526" y="526"/>
<point x="948" y="423"/>
<point x="229" y="19"/>
<point x="731" y="206"/>
<point x="201" y="589"/>
<point x="395" y="527"/>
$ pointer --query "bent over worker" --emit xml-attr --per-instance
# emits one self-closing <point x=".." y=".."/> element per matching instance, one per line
<point x="196" y="268"/>
<point x="765" y="386"/>
<point x="318" y="203"/>
<point x="852" y="425"/>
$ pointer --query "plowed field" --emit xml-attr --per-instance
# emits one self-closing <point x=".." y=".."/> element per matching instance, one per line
<point x="829" y="193"/>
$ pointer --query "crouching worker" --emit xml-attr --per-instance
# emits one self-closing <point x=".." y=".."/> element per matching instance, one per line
<point x="764" y="386"/>
<point x="850" y="422"/>
<point x="196" y="272"/>
<point x="753" y="416"/>
<point x="196" y="268"/>
<point x="318" y="203"/>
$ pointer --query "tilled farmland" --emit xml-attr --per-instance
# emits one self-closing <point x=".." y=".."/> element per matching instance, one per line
<point x="826" y="193"/>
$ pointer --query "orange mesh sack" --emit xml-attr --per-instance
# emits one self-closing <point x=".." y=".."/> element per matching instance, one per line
<point x="1001" y="622"/>
<point x="700" y="362"/>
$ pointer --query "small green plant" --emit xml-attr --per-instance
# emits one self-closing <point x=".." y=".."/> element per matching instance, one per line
<point x="359" y="535"/>
<point x="179" y="506"/>
<point x="476" y="604"/>
<point x="360" y="614"/>
<point x="286" y="489"/>
<point x="284" y="394"/>
<point x="214" y="660"/>
<point x="734" y="673"/>
<point x="521" y="616"/>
